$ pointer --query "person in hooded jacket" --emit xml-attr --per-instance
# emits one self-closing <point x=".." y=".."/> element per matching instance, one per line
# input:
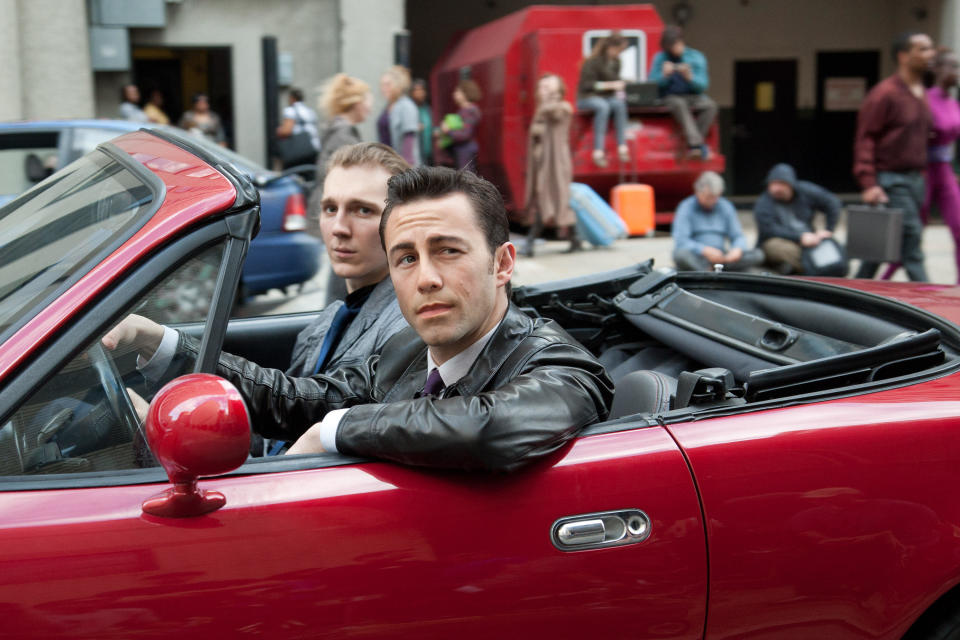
<point x="784" y="215"/>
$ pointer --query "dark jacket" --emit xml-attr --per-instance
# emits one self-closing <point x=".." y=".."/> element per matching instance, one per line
<point x="791" y="219"/>
<point x="531" y="389"/>
<point x="597" y="69"/>
<point x="378" y="320"/>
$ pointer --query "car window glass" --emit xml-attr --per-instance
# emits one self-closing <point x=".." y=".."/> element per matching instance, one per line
<point x="83" y="140"/>
<point x="53" y="230"/>
<point x="26" y="158"/>
<point x="81" y="420"/>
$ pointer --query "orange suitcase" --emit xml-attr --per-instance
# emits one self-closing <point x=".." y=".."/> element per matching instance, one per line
<point x="634" y="204"/>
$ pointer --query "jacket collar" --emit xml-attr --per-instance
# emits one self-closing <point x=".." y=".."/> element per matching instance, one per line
<point x="514" y="327"/>
<point x="380" y="297"/>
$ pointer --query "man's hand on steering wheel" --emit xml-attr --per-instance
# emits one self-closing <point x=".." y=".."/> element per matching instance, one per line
<point x="137" y="331"/>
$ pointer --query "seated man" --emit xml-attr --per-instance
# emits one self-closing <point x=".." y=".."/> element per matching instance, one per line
<point x="473" y="384"/>
<point x="681" y="73"/>
<point x="706" y="230"/>
<point x="784" y="215"/>
<point x="345" y="332"/>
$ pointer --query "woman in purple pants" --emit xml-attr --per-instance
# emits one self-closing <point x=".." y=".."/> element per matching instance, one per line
<point x="941" y="182"/>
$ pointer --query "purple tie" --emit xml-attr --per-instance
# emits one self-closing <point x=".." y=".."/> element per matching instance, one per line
<point x="434" y="384"/>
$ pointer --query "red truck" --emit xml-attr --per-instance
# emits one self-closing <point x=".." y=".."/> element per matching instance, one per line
<point x="507" y="56"/>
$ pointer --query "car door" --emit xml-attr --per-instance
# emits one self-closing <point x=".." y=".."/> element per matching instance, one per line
<point x="830" y="520"/>
<point x="323" y="548"/>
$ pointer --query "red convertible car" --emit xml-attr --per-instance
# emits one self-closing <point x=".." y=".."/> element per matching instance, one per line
<point x="782" y="461"/>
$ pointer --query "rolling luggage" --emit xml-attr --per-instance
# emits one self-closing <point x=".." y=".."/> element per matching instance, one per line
<point x="597" y="223"/>
<point x="634" y="204"/>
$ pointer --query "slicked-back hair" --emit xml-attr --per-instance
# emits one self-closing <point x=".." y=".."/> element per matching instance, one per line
<point x="430" y="183"/>
<point x="902" y="43"/>
<point x="368" y="154"/>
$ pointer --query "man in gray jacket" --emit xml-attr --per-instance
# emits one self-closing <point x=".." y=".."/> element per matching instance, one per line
<point x="346" y="332"/>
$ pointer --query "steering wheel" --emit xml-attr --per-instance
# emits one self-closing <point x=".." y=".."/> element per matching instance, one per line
<point x="113" y="387"/>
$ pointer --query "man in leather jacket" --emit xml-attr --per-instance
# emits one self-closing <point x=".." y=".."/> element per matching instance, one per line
<point x="513" y="388"/>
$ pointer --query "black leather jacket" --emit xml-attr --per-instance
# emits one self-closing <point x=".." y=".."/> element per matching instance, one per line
<point x="531" y="389"/>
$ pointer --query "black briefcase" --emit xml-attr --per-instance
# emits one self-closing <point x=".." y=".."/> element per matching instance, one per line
<point x="874" y="233"/>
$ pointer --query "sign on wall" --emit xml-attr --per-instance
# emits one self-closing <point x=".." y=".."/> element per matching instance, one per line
<point x="843" y="94"/>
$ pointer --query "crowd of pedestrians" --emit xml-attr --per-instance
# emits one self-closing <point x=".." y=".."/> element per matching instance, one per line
<point x="906" y="133"/>
<point x="907" y="129"/>
<point x="199" y="120"/>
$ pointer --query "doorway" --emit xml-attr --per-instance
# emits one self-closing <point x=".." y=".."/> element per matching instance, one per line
<point x="181" y="72"/>
<point x="843" y="79"/>
<point x="764" y="120"/>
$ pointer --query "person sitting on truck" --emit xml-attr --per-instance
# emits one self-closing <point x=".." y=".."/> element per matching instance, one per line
<point x="601" y="90"/>
<point x="681" y="74"/>
<point x="704" y="226"/>
<point x="784" y="215"/>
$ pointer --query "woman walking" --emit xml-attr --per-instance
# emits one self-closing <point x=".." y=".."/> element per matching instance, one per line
<point x="399" y="124"/>
<point x="347" y="102"/>
<point x="941" y="182"/>
<point x="549" y="166"/>
<point x="463" y="139"/>
<point x="942" y="187"/>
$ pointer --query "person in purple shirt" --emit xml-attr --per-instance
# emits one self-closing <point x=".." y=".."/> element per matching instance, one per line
<point x="942" y="187"/>
<point x="706" y="231"/>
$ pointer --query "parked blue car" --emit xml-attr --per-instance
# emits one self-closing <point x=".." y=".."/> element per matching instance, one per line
<point x="282" y="254"/>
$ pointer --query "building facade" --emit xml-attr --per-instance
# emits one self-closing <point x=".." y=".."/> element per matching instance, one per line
<point x="786" y="74"/>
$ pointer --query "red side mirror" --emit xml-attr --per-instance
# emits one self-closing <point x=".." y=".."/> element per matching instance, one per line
<point x="197" y="426"/>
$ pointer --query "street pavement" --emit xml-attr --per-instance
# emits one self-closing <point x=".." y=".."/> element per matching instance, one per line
<point x="550" y="262"/>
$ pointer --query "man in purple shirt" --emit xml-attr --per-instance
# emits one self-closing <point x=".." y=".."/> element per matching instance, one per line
<point x="890" y="149"/>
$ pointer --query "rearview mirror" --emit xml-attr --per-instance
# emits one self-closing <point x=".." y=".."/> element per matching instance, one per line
<point x="197" y="425"/>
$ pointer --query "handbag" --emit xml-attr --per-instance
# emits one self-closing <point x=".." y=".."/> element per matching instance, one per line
<point x="825" y="259"/>
<point x="297" y="148"/>
<point x="874" y="233"/>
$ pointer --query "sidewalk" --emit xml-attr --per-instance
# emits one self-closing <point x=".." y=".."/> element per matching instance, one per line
<point x="550" y="263"/>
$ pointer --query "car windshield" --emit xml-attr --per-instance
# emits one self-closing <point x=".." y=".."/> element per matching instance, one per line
<point x="52" y="231"/>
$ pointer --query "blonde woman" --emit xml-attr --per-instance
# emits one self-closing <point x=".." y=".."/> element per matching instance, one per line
<point x="346" y="102"/>
<point x="399" y="123"/>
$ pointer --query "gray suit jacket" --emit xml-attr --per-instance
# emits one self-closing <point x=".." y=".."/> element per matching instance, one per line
<point x="378" y="320"/>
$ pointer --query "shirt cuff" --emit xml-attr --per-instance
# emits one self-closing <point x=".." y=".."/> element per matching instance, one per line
<point x="154" y="368"/>
<point x="328" y="429"/>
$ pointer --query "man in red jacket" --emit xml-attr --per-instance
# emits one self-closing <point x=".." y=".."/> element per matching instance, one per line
<point x="890" y="150"/>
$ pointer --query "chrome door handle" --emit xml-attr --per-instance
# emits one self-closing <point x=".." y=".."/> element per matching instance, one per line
<point x="579" y="532"/>
<point x="599" y="530"/>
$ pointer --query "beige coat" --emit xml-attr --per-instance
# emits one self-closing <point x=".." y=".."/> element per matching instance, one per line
<point x="549" y="165"/>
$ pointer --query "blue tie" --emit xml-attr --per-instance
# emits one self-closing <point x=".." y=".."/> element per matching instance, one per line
<point x="340" y="321"/>
<point x="434" y="384"/>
